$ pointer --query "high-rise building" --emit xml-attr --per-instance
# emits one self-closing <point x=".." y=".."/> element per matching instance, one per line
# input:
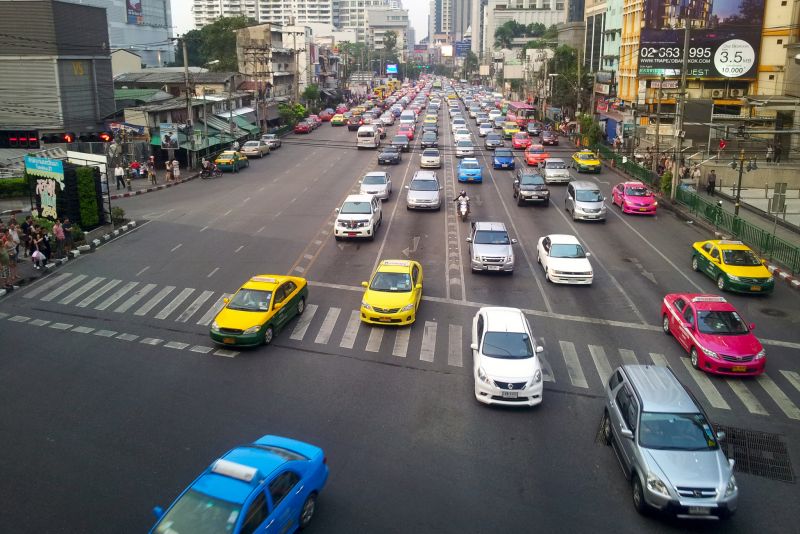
<point x="461" y="19"/>
<point x="273" y="11"/>
<point x="498" y="12"/>
<point x="381" y="21"/>
<point x="352" y="15"/>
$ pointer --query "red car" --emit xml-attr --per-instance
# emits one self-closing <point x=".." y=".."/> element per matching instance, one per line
<point x="315" y="121"/>
<point x="535" y="155"/>
<point x="408" y="131"/>
<point x="716" y="337"/>
<point x="549" y="138"/>
<point x="634" y="197"/>
<point x="521" y="141"/>
<point x="325" y="116"/>
<point x="341" y="108"/>
<point x="302" y="127"/>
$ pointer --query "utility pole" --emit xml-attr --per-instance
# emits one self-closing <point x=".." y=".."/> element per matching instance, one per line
<point x="189" y="121"/>
<point x="659" y="94"/>
<point x="578" y="86"/>
<point x="594" y="82"/>
<point x="680" y="110"/>
<point x="296" y="67"/>
<point x="739" y="184"/>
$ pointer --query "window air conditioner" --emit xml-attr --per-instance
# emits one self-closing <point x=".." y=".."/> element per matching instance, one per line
<point x="737" y="92"/>
<point x="718" y="93"/>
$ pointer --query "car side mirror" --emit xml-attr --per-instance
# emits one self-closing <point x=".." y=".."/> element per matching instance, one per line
<point x="441" y="189"/>
<point x="720" y="435"/>
<point x="539" y="349"/>
<point x="474" y="346"/>
<point x="418" y="286"/>
<point x="588" y="254"/>
<point x="469" y="240"/>
<point x="158" y="512"/>
<point x="226" y="300"/>
<point x="277" y="306"/>
<point x="364" y="284"/>
<point x="752" y="326"/>
<point x="336" y="210"/>
<point x="626" y="433"/>
<point x="361" y="181"/>
<point x="513" y="241"/>
<point x="407" y="187"/>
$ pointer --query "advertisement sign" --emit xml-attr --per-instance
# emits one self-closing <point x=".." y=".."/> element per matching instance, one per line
<point x="725" y="38"/>
<point x="391" y="68"/>
<point x="447" y="50"/>
<point x="602" y="105"/>
<point x="169" y="134"/>
<point x="132" y="128"/>
<point x="462" y="47"/>
<point x="134" y="10"/>
<point x="483" y="70"/>
<point x="50" y="179"/>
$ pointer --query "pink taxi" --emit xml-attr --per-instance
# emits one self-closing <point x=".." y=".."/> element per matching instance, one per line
<point x="716" y="337"/>
<point x="634" y="197"/>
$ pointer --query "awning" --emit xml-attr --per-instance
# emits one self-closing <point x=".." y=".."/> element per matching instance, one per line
<point x="224" y="127"/>
<point x="329" y="93"/>
<point x="246" y="113"/>
<point x="244" y="125"/>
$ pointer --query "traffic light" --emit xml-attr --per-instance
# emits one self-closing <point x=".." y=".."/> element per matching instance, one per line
<point x="63" y="137"/>
<point x="106" y="137"/>
<point x="19" y="139"/>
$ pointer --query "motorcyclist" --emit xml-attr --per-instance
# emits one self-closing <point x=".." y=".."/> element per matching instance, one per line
<point x="206" y="167"/>
<point x="463" y="197"/>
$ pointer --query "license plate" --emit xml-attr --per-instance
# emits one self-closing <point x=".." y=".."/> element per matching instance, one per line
<point x="384" y="319"/>
<point x="351" y="234"/>
<point x="642" y="209"/>
<point x="699" y="510"/>
<point x="510" y="394"/>
<point x="739" y="368"/>
<point x="494" y="267"/>
<point x="228" y="340"/>
<point x="755" y="288"/>
<point x="504" y="165"/>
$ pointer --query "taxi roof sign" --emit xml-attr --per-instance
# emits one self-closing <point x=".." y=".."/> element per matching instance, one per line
<point x="709" y="299"/>
<point x="234" y="470"/>
<point x="730" y="242"/>
<point x="396" y="263"/>
<point x="263" y="279"/>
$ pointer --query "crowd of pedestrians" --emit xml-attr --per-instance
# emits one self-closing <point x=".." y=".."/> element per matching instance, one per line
<point x="30" y="241"/>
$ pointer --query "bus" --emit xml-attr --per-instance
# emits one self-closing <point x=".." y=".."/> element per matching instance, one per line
<point x="520" y="112"/>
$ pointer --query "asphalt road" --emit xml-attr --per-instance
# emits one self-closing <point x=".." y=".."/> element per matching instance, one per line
<point x="113" y="397"/>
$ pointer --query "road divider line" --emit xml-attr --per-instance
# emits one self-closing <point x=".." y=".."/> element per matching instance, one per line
<point x="142" y="271"/>
<point x="454" y="349"/>
<point x="574" y="369"/>
<point x="709" y="390"/>
<point x="780" y="398"/>
<point x="176" y="247"/>
<point x="300" y="328"/>
<point x="328" y="324"/>
<point x="213" y="272"/>
<point x="351" y="331"/>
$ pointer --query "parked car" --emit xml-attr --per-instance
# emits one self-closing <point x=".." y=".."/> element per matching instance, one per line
<point x="430" y="158"/>
<point x="389" y="155"/>
<point x="358" y="216"/>
<point x="302" y="127"/>
<point x="376" y="183"/>
<point x="255" y="148"/>
<point x="490" y="247"/>
<point x="424" y="191"/>
<point x="272" y="140"/>
<point x="530" y="187"/>
<point x="564" y="260"/>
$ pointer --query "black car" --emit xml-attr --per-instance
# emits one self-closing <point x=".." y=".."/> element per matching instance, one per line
<point x="354" y="123"/>
<point x="390" y="155"/>
<point x="530" y="186"/>
<point x="549" y="138"/>
<point x="534" y="128"/>
<point x="429" y="140"/>
<point x="493" y="140"/>
<point x="401" y="142"/>
<point x="430" y="128"/>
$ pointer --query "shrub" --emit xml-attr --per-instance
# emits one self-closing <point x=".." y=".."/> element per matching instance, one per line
<point x="666" y="182"/>
<point x="45" y="224"/>
<point x="13" y="187"/>
<point x="78" y="235"/>
<point x="117" y="215"/>
<point x="87" y="196"/>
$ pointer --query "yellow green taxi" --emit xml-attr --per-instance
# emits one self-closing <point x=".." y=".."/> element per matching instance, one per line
<point x="359" y="110"/>
<point x="338" y="120"/>
<point x="509" y="129"/>
<point x="430" y="119"/>
<point x="732" y="265"/>
<point x="586" y="161"/>
<point x="231" y="160"/>
<point x="259" y="309"/>
<point x="451" y="96"/>
<point x="393" y="293"/>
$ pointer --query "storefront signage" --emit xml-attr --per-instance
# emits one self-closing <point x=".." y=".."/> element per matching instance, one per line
<point x="49" y="181"/>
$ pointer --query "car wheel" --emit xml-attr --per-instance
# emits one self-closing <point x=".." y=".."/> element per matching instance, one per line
<point x="694" y="358"/>
<point x="638" y="494"/>
<point x="269" y="334"/>
<point x="301" y="306"/>
<point x="547" y="202"/>
<point x="721" y="283"/>
<point x="519" y="201"/>
<point x="547" y="275"/>
<point x="606" y="428"/>
<point x="695" y="264"/>
<point x="665" y="324"/>
<point x="307" y="512"/>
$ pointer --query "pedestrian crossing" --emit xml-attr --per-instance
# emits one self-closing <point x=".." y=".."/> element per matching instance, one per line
<point x="566" y="363"/>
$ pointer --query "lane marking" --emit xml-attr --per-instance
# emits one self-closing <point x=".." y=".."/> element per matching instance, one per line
<point x="19" y="319"/>
<point x="351" y="331"/>
<point x="83" y="329"/>
<point x="176" y="247"/>
<point x="793" y="378"/>
<point x="628" y="357"/>
<point x="127" y="337"/>
<point x="600" y="362"/>
<point x="428" y="348"/>
<point x="705" y="385"/>
<point x="659" y="359"/>
<point x="63" y="288"/>
<point x="261" y="229"/>
<point x="212" y="312"/>
<point x="176" y="345"/>
<point x="212" y="273"/>
<point x="154" y="300"/>
<point x="455" y="352"/>
<point x="61" y="326"/>
<point x="39" y="289"/>
<point x="238" y="249"/>
<point x="81" y="290"/>
<point x="143" y="270"/>
<point x="106" y="333"/>
<point x="99" y="293"/>
<point x="202" y="349"/>
<point x="118" y="294"/>
<point x="547" y="370"/>
<point x="227" y="213"/>
<point x="151" y="341"/>
<point x="780" y="398"/>
<point x="746" y="396"/>
<point x="328" y="324"/>
<point x="194" y="306"/>
<point x="173" y="305"/>
<point x="225" y="353"/>
<point x="39" y="322"/>
<point x="401" y="340"/>
<point x="302" y="324"/>
<point x="375" y="338"/>
<point x="136" y="297"/>
<point x="574" y="369"/>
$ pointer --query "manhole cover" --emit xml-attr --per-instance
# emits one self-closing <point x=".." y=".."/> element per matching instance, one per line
<point x="598" y="438"/>
<point x="771" y="312"/>
<point x="757" y="453"/>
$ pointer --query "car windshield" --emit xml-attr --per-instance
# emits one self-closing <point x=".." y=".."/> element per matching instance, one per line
<point x="636" y="191"/>
<point x="485" y="126"/>
<point x="465" y="144"/>
<point x="200" y="514"/>
<point x="430" y="153"/>
<point x="392" y="149"/>
<point x="227" y="154"/>
<point x="429" y="136"/>
<point x="462" y="132"/>
<point x="508" y="345"/>
<point x="720" y="323"/>
<point x="510" y="125"/>
<point x="394" y="282"/>
<point x="588" y="195"/>
<point x="491" y="237"/>
<point x="555" y="165"/>
<point x="521" y="136"/>
<point x="503" y="154"/>
<point x="531" y="179"/>
<point x="251" y="143"/>
<point x="424" y="185"/>
<point x="356" y="207"/>
<point x="586" y="156"/>
<point x="470" y="165"/>
<point x="536" y="150"/>
<point x="269" y="137"/>
<point x="566" y="250"/>
<point x="250" y="300"/>
<point x="400" y="139"/>
<point x="743" y="258"/>
<point x="374" y="180"/>
<point x="493" y="137"/>
<point x="676" y="432"/>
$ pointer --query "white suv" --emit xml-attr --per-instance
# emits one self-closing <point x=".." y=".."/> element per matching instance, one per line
<point x="359" y="216"/>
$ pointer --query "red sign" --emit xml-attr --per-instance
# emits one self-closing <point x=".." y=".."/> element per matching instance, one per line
<point x="722" y="144"/>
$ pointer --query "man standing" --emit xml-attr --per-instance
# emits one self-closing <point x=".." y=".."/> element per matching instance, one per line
<point x="778" y="151"/>
<point x="712" y="183"/>
<point x="67" y="227"/>
<point x="58" y="232"/>
<point x="119" y="174"/>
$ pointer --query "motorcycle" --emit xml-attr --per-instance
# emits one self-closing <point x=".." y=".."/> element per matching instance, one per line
<point x="463" y="209"/>
<point x="211" y="171"/>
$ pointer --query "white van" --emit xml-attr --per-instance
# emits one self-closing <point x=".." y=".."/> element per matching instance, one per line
<point x="408" y="117"/>
<point x="368" y="137"/>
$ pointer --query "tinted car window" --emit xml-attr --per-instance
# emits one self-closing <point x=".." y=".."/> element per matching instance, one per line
<point x="281" y="486"/>
<point x="531" y="179"/>
<point x="509" y="345"/>
<point x="676" y="431"/>
<point x="491" y="237"/>
<point x="424" y="185"/>
<point x="255" y="515"/>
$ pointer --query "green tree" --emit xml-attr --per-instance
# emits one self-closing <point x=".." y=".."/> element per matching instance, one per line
<point x="311" y="95"/>
<point x="390" y="44"/>
<point x="471" y="64"/>
<point x="551" y="33"/>
<point x="216" y="41"/>
<point x="536" y="29"/>
<point x="567" y="85"/>
<point x="291" y="114"/>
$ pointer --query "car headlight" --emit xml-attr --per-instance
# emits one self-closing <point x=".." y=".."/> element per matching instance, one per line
<point x="556" y="272"/>
<point x="761" y="354"/>
<point x="252" y="329"/>
<point x="770" y="279"/>
<point x="710" y="353"/>
<point x="407" y="307"/>
<point x="214" y="326"/>
<point x="537" y="376"/>
<point x="731" y="488"/>
<point x="734" y="278"/>
<point x="484" y="377"/>
<point x="365" y="305"/>
<point x="657" y="486"/>
<point x="655" y="204"/>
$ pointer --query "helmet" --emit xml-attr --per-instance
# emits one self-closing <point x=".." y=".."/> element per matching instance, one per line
<point x="463" y="193"/>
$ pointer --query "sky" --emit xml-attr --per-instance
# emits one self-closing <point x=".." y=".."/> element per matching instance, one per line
<point x="183" y="21"/>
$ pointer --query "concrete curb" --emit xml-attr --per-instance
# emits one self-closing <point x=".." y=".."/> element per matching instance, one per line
<point x="789" y="278"/>
<point x="153" y="188"/>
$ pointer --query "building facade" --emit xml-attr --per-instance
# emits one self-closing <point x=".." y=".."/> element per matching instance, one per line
<point x="498" y="12"/>
<point x="352" y="15"/>
<point x="384" y="20"/>
<point x="595" y="19"/>
<point x="265" y="11"/>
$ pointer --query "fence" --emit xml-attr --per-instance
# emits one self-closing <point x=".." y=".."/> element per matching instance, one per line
<point x="766" y="243"/>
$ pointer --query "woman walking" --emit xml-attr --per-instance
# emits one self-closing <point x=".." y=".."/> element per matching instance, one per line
<point x="176" y="170"/>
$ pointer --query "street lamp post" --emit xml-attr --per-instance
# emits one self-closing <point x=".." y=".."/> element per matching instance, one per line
<point x="751" y="166"/>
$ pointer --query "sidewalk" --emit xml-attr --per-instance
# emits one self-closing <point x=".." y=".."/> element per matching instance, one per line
<point x="754" y="208"/>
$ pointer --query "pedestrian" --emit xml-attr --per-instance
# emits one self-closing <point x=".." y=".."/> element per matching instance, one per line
<point x="168" y="166"/>
<point x="11" y="250"/>
<point x="236" y="146"/>
<point x="67" y="226"/>
<point x="696" y="174"/>
<point x="5" y="264"/>
<point x="151" y="170"/>
<point x="176" y="169"/>
<point x="27" y="228"/>
<point x="13" y="233"/>
<point x="712" y="183"/>
<point x="135" y="169"/>
<point x="119" y="174"/>
<point x="37" y="256"/>
<point x="770" y="151"/>
<point x="58" y="232"/>
<point x="778" y="152"/>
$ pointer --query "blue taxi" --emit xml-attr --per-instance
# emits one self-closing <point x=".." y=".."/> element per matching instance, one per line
<point x="469" y="170"/>
<point x="271" y="485"/>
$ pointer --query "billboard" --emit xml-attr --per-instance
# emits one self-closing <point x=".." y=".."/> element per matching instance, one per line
<point x="169" y="135"/>
<point x="483" y="70"/>
<point x="391" y="68"/>
<point x="447" y="50"/>
<point x="725" y="38"/>
<point x="134" y="11"/>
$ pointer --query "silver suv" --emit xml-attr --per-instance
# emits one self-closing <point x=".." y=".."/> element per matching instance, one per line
<point x="585" y="201"/>
<point x="490" y="247"/>
<point x="666" y="445"/>
<point x="424" y="191"/>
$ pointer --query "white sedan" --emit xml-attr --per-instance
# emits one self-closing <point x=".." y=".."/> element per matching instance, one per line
<point x="376" y="183"/>
<point x="485" y="129"/>
<point x="430" y="158"/>
<point x="506" y="367"/>
<point x="462" y="135"/>
<point x="465" y="149"/>
<point x="563" y="259"/>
